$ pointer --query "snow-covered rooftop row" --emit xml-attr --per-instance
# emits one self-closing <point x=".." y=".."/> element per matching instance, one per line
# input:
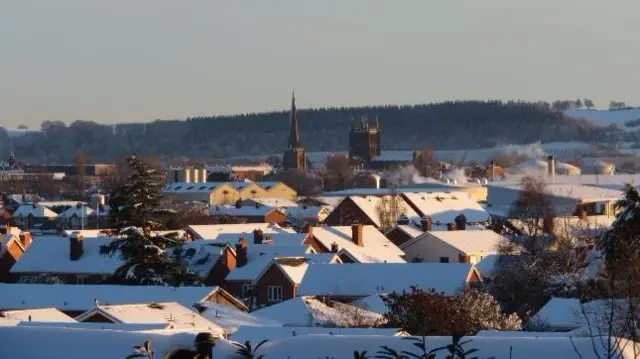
<point x="83" y="297"/>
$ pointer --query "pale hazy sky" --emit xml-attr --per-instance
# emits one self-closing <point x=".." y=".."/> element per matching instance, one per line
<point x="116" y="61"/>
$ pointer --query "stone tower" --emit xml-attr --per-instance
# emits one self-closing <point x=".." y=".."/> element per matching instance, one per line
<point x="294" y="156"/>
<point x="364" y="140"/>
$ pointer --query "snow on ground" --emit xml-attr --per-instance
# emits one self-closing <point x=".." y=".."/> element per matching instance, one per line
<point x="605" y="118"/>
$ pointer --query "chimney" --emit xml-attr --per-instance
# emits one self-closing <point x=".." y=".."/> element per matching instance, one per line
<point x="258" y="236"/>
<point x="238" y="204"/>
<point x="196" y="175"/>
<point x="5" y="228"/>
<point x="551" y="168"/>
<point x="451" y="226"/>
<point x="76" y="246"/>
<point x="464" y="259"/>
<point x="241" y="252"/>
<point x="334" y="247"/>
<point x="427" y="224"/>
<point x="26" y="239"/>
<point x="461" y="222"/>
<point x="356" y="234"/>
<point x="493" y="171"/>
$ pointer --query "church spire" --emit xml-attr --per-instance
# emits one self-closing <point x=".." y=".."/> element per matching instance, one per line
<point x="294" y="134"/>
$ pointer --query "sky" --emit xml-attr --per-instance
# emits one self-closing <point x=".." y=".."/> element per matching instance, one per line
<point x="133" y="61"/>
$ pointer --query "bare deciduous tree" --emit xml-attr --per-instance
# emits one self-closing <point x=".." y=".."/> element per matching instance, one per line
<point x="389" y="209"/>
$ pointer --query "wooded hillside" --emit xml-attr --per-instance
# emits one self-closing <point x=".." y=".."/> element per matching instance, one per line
<point x="450" y="125"/>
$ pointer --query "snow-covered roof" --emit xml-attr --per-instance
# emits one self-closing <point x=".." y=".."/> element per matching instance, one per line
<point x="309" y="212"/>
<point x="39" y="211"/>
<point x="570" y="313"/>
<point x="581" y="193"/>
<point x="294" y="268"/>
<point x="212" y="231"/>
<point x="200" y="256"/>
<point x="50" y="254"/>
<point x="373" y="303"/>
<point x="257" y="334"/>
<point x="272" y="202"/>
<point x="369" y="205"/>
<point x="479" y="242"/>
<point x="307" y="311"/>
<point x="362" y="280"/>
<point x="444" y="207"/>
<point x="259" y="256"/>
<point x="37" y="315"/>
<point x="343" y="346"/>
<point x="94" y="233"/>
<point x="231" y="319"/>
<point x="72" y="211"/>
<point x="279" y="238"/>
<point x="173" y="314"/>
<point x="56" y="342"/>
<point x="377" y="247"/>
<point x="249" y="211"/>
<point x="370" y="255"/>
<point x="82" y="297"/>
<point x="608" y="181"/>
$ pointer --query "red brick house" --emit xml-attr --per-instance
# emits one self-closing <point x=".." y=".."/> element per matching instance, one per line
<point x="251" y="260"/>
<point x="280" y="279"/>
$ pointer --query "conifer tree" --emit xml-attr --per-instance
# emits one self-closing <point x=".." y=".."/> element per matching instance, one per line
<point x="150" y="258"/>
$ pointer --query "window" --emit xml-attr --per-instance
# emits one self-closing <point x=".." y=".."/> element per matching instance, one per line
<point x="444" y="259"/>
<point x="247" y="290"/>
<point x="274" y="293"/>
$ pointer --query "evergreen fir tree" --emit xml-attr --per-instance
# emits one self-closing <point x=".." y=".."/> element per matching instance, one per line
<point x="621" y="243"/>
<point x="150" y="258"/>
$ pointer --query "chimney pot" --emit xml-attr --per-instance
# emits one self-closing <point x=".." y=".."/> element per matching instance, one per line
<point x="334" y="247"/>
<point x="357" y="234"/>
<point x="427" y="224"/>
<point x="241" y="252"/>
<point x="258" y="236"/>
<point x="76" y="246"/>
<point x="461" y="222"/>
<point x="451" y="227"/>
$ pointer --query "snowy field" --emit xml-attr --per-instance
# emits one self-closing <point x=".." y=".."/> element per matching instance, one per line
<point x="606" y="117"/>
